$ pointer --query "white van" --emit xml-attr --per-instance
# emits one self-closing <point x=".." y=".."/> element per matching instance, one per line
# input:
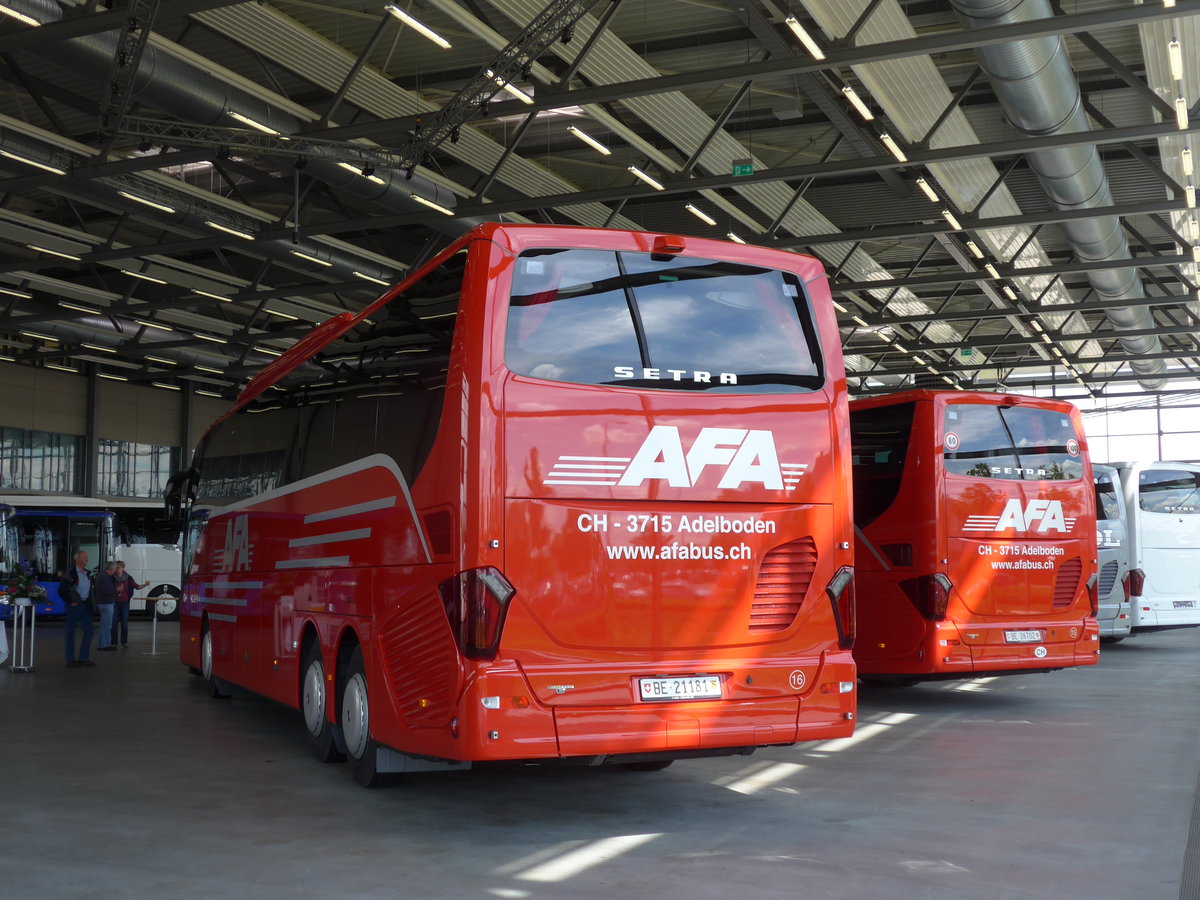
<point x="1163" y="504"/>
<point x="1113" y="557"/>
<point x="160" y="565"/>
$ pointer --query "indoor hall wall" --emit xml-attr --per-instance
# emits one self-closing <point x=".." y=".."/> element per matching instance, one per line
<point x="42" y="400"/>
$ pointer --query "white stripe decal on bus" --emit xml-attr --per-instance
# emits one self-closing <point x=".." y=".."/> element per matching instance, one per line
<point x="225" y="601"/>
<point x="356" y="535"/>
<point x="343" y="512"/>
<point x="340" y="561"/>
<point x="234" y="585"/>
<point x="220" y="617"/>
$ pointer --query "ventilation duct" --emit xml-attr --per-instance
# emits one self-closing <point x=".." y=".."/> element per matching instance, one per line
<point x="1037" y="88"/>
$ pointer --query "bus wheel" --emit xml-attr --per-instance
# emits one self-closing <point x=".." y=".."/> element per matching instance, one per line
<point x="650" y="765"/>
<point x="216" y="686"/>
<point x="313" y="704"/>
<point x="166" y="606"/>
<point x="355" y="716"/>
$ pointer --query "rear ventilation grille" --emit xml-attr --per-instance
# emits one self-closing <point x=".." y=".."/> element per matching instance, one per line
<point x="1108" y="577"/>
<point x="1067" y="583"/>
<point x="783" y="581"/>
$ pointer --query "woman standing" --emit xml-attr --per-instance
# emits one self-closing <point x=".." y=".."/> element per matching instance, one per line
<point x="125" y="586"/>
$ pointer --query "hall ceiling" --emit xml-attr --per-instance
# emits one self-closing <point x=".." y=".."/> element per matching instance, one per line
<point x="147" y="234"/>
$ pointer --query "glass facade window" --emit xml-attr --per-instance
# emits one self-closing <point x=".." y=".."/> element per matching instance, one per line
<point x="131" y="469"/>
<point x="40" y="461"/>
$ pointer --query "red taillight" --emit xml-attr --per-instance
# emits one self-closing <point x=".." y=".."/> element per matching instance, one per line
<point x="476" y="602"/>
<point x="930" y="594"/>
<point x="1137" y="581"/>
<point x="1093" y="589"/>
<point x="840" y="591"/>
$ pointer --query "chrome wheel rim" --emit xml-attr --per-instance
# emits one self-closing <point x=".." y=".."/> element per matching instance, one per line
<point x="206" y="656"/>
<point x="314" y="698"/>
<point x="355" y="722"/>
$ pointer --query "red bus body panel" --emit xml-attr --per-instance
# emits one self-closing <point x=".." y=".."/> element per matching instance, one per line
<point x="1004" y="578"/>
<point x="355" y="556"/>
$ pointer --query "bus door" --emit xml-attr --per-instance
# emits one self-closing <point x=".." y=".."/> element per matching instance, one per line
<point x="1169" y="525"/>
<point x="1013" y="544"/>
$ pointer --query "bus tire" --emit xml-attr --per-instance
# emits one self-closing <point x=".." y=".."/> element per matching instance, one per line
<point x="216" y="686"/>
<point x="313" y="704"/>
<point x="354" y="714"/>
<point x="165" y="605"/>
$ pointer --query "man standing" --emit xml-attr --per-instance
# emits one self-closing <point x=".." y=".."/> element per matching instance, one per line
<point x="125" y="585"/>
<point x="75" y="589"/>
<point x="105" y="592"/>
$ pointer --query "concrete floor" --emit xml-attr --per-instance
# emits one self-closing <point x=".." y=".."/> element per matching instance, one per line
<point x="127" y="780"/>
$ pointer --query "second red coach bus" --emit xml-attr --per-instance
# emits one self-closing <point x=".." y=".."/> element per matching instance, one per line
<point x="976" y="536"/>
<point x="563" y="494"/>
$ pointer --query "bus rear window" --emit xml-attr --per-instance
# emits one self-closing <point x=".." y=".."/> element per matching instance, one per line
<point x="1173" y="491"/>
<point x="1108" y="507"/>
<point x="1010" y="442"/>
<point x="679" y="323"/>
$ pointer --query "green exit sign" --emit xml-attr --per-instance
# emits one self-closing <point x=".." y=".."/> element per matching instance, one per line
<point x="743" y="167"/>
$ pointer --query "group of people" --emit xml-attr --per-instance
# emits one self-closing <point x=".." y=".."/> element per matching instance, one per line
<point x="110" y="592"/>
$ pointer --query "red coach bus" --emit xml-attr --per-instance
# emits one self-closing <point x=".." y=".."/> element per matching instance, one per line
<point x="563" y="494"/>
<point x="976" y="536"/>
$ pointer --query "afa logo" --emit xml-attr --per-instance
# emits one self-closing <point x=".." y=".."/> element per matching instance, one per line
<point x="1034" y="516"/>
<point x="236" y="554"/>
<point x="740" y="455"/>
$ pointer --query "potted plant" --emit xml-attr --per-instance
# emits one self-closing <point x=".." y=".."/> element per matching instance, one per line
<point x="20" y="588"/>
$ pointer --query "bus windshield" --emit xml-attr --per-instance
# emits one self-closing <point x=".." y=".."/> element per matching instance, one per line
<point x="649" y="321"/>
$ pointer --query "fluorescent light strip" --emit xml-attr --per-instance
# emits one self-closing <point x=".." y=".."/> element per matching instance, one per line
<point x="974" y="248"/>
<point x="311" y="259"/>
<point x="57" y="170"/>
<point x="857" y="102"/>
<point x="417" y="26"/>
<point x="1193" y="229"/>
<point x="246" y="120"/>
<point x="359" y="170"/>
<point x="371" y="278"/>
<point x="67" y="304"/>
<point x="111" y="377"/>
<point x="62" y="368"/>
<point x="948" y="380"/>
<point x="843" y="309"/>
<point x="509" y="87"/>
<point x="432" y="205"/>
<point x="700" y="214"/>
<point x="991" y="270"/>
<point x="281" y="315"/>
<point x="268" y="351"/>
<point x="1185" y="159"/>
<point x="1036" y="325"/>
<point x="1181" y="113"/>
<point x="244" y="235"/>
<point x="1010" y="293"/>
<point x="213" y="296"/>
<point x="38" y="335"/>
<point x="39" y="249"/>
<point x="142" y="275"/>
<point x="589" y="140"/>
<point x="162" y="360"/>
<point x="1190" y="193"/>
<point x="150" y="324"/>
<point x="804" y="37"/>
<point x="151" y="203"/>
<point x="928" y="191"/>
<point x="211" y="339"/>
<point x="13" y="292"/>
<point x="888" y="141"/>
<point x="209" y="394"/>
<point x="950" y="217"/>
<point x="1175" y="58"/>
<point x="646" y="178"/>
<point x="163" y="384"/>
<point x="99" y="347"/>
<point x="737" y="240"/>
<point x="209" y="369"/>
<point x="19" y="16"/>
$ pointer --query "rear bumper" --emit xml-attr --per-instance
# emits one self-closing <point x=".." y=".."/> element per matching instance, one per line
<point x="978" y="648"/>
<point x="1115" y="621"/>
<point x="1164" y="613"/>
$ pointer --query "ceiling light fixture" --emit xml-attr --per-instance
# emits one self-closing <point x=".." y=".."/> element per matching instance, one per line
<point x="860" y="321"/>
<point x="857" y="102"/>
<point x="510" y="88"/>
<point x="67" y="304"/>
<point x="1010" y="293"/>
<point x="13" y="292"/>
<point x="213" y="296"/>
<point x="947" y="380"/>
<point x="974" y="248"/>
<point x="928" y="191"/>
<point x="62" y="368"/>
<point x="244" y="235"/>
<point x="148" y="324"/>
<point x="700" y="214"/>
<point x="252" y="123"/>
<point x="40" y="249"/>
<point x="38" y="335"/>
<point x="1175" y="58"/>
<point x="992" y="270"/>
<point x="804" y="37"/>
<point x="890" y="142"/>
<point x="418" y="26"/>
<point x="432" y="205"/>
<point x="1185" y="158"/>
<point x="212" y="339"/>
<point x="111" y="377"/>
<point x="57" y="170"/>
<point x="209" y="394"/>
<point x="371" y="278"/>
<point x="646" y="178"/>
<point x="163" y="384"/>
<point x="282" y="315"/>
<point x="208" y="369"/>
<point x="1190" y="193"/>
<point x="311" y="259"/>
<point x="839" y="307"/>
<point x="99" y="347"/>
<point x="949" y="217"/>
<point x="19" y="16"/>
<point x="1181" y="113"/>
<point x="162" y="360"/>
<point x="589" y="140"/>
<point x="142" y="275"/>
<point x="737" y="240"/>
<point x="153" y="204"/>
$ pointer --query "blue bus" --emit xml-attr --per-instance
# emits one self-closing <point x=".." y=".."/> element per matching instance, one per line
<point x="47" y="540"/>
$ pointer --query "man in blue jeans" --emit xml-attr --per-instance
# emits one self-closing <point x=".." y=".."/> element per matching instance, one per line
<point x="74" y="590"/>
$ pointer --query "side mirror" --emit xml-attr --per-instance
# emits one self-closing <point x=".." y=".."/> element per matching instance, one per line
<point x="179" y="493"/>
